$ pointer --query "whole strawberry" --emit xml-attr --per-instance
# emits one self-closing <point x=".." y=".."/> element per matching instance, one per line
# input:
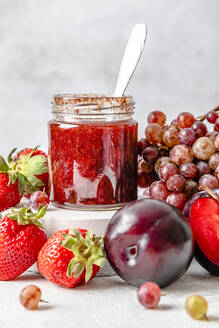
<point x="21" y="239"/>
<point x="44" y="177"/>
<point x="20" y="176"/>
<point x="71" y="257"/>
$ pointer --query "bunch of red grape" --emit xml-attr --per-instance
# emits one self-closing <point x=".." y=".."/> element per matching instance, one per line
<point x="175" y="160"/>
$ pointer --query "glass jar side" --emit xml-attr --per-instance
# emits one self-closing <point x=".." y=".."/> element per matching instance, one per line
<point x="93" y="164"/>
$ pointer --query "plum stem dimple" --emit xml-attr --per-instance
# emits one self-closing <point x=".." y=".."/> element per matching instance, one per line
<point x="209" y="191"/>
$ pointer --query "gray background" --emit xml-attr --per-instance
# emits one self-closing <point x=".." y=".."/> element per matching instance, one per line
<point x="52" y="46"/>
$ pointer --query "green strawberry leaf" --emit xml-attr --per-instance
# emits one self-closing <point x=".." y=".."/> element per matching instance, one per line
<point x="25" y="216"/>
<point x="10" y="155"/>
<point x="89" y="271"/>
<point x="87" y="252"/>
<point x="4" y="168"/>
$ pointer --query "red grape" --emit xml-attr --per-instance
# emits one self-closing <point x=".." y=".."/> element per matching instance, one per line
<point x="166" y="170"/>
<point x="181" y="154"/>
<point x="209" y="181"/>
<point x="176" y="183"/>
<point x="177" y="199"/>
<point x="144" y="180"/>
<point x="30" y="297"/>
<point x="212" y="116"/>
<point x="149" y="295"/>
<point x="203" y="168"/>
<point x="216" y="125"/>
<point x="154" y="133"/>
<point x="174" y="122"/>
<point x="191" y="187"/>
<point x="142" y="144"/>
<point x="145" y="167"/>
<point x="185" y="120"/>
<point x="157" y="117"/>
<point x="171" y="137"/>
<point x="203" y="148"/>
<point x="200" y="129"/>
<point x="214" y="161"/>
<point x="187" y="136"/>
<point x="160" y="161"/>
<point x="216" y="172"/>
<point x="158" y="190"/>
<point x="216" y="142"/>
<point x="150" y="154"/>
<point x="38" y="198"/>
<point x="188" y="170"/>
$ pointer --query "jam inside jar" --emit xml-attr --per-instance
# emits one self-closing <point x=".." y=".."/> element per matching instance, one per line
<point x="92" y="151"/>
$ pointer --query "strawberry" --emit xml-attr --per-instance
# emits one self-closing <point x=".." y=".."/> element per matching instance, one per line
<point x="9" y="195"/>
<point x="21" y="239"/>
<point x="20" y="176"/>
<point x="71" y="257"/>
<point x="44" y="177"/>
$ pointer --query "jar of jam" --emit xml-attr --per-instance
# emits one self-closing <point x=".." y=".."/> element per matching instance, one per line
<point x="92" y="151"/>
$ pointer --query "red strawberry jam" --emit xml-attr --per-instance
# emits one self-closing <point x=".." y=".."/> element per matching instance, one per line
<point x="93" y="151"/>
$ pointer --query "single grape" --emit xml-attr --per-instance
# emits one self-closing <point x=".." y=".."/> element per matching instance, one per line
<point x="166" y="170"/>
<point x="154" y="133"/>
<point x="185" y="120"/>
<point x="145" y="167"/>
<point x="144" y="180"/>
<point x="216" y="125"/>
<point x="30" y="297"/>
<point x="191" y="187"/>
<point x="196" y="306"/>
<point x="158" y="190"/>
<point x="176" y="183"/>
<point x="203" y="168"/>
<point x="209" y="181"/>
<point x="38" y="198"/>
<point x="171" y="137"/>
<point x="200" y="129"/>
<point x="216" y="172"/>
<point x="150" y="154"/>
<point x="157" y="117"/>
<point x="188" y="170"/>
<point x="203" y="148"/>
<point x="142" y="144"/>
<point x="187" y="136"/>
<point x="174" y="122"/>
<point x="211" y="117"/>
<point x="214" y="161"/>
<point x="180" y="154"/>
<point x="160" y="161"/>
<point x="216" y="142"/>
<point x="177" y="199"/>
<point x="149" y="295"/>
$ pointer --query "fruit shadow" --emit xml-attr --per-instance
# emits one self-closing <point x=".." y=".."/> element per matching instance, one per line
<point x="26" y="277"/>
<point x="102" y="283"/>
<point x="195" y="283"/>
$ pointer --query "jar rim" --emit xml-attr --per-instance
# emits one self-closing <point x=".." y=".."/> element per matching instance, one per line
<point x="101" y="104"/>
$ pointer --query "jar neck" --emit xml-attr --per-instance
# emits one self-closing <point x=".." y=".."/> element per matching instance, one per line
<point x="69" y="117"/>
<point x="90" y="107"/>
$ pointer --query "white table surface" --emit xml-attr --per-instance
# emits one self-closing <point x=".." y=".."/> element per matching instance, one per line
<point x="107" y="302"/>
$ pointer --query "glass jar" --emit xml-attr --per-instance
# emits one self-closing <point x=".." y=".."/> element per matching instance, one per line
<point x="92" y="151"/>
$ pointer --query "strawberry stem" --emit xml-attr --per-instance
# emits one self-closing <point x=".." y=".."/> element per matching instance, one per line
<point x="209" y="191"/>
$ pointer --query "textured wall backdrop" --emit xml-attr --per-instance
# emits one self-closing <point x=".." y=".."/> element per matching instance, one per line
<point x="50" y="46"/>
